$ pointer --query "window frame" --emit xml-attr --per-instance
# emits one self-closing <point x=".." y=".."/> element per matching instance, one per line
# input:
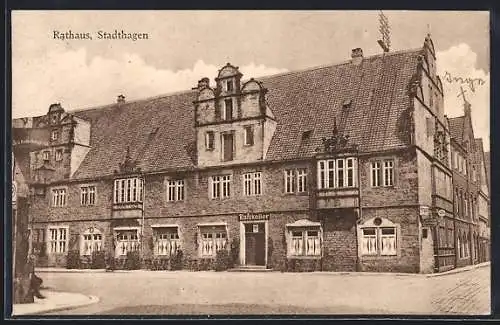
<point x="210" y="251"/>
<point x="88" y="195"/>
<point x="225" y="110"/>
<point x="379" y="170"/>
<point x="248" y="129"/>
<point x="58" y="245"/>
<point x="59" y="155"/>
<point x="209" y="140"/>
<point x="46" y="155"/>
<point x="329" y="173"/>
<point x="177" y="187"/>
<point x="377" y="238"/>
<point x="252" y="183"/>
<point x="99" y="243"/>
<point x="128" y="190"/>
<point x="59" y="197"/>
<point x="173" y="240"/>
<point x="52" y="137"/>
<point x="133" y="243"/>
<point x="223" y="185"/>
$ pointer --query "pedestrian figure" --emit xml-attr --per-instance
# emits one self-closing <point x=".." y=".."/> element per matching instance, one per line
<point x="35" y="281"/>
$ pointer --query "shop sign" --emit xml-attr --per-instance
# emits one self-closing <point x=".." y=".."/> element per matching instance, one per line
<point x="253" y="216"/>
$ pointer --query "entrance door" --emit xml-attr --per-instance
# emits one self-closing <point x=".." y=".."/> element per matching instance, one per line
<point x="255" y="244"/>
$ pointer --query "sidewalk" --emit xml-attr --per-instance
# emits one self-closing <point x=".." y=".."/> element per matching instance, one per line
<point x="54" y="301"/>
<point x="429" y="275"/>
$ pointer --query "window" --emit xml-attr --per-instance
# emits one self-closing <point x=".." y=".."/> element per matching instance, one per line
<point x="54" y="135"/>
<point x="248" y="135"/>
<point x="228" y="147"/>
<point x="301" y="180"/>
<point x="296" y="180"/>
<point x="128" y="190"/>
<point x="306" y="242"/>
<point x="167" y="241"/>
<point x="378" y="237"/>
<point x="290" y="181"/>
<point x="228" y="109"/>
<point x="127" y="241"/>
<point x="337" y="173"/>
<point x="58" y="239"/>
<point x="46" y="155"/>
<point x="87" y="195"/>
<point x="175" y="190"/>
<point x="37" y="240"/>
<point x="59" y="154"/>
<point x="466" y="205"/>
<point x="382" y="173"/>
<point x="213" y="239"/>
<point x="92" y="242"/>
<point x="210" y="140"/>
<point x="370" y="241"/>
<point x="229" y="85"/>
<point x="59" y="197"/>
<point x="221" y="186"/>
<point x="252" y="183"/>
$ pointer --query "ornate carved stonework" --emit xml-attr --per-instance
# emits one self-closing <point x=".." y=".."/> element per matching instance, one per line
<point x="128" y="165"/>
<point x="337" y="143"/>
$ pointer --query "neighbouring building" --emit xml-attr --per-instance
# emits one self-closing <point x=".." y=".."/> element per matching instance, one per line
<point x="345" y="167"/>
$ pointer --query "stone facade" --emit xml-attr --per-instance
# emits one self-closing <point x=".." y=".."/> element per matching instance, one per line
<point x="243" y="185"/>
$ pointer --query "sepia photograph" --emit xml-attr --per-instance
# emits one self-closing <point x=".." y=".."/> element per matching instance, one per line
<point x="254" y="162"/>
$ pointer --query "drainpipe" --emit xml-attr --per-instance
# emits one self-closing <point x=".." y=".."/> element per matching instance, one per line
<point x="360" y="210"/>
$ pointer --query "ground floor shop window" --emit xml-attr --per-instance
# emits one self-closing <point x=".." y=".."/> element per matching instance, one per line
<point x="304" y="238"/>
<point x="213" y="239"/>
<point x="378" y="236"/>
<point x="91" y="242"/>
<point x="58" y="239"/>
<point x="166" y="240"/>
<point x="127" y="241"/>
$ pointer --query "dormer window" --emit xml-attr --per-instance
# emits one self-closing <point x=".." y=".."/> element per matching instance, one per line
<point x="229" y="85"/>
<point x="210" y="140"/>
<point x="248" y="135"/>
<point x="54" y="135"/>
<point x="46" y="155"/>
<point x="306" y="135"/>
<point x="228" y="109"/>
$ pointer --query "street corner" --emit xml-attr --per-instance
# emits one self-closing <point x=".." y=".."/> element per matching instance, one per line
<point x="54" y="301"/>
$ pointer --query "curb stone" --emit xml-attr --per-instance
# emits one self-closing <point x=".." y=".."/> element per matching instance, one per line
<point x="92" y="300"/>
<point x="453" y="271"/>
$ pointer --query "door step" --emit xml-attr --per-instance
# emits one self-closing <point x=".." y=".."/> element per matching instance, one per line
<point x="250" y="268"/>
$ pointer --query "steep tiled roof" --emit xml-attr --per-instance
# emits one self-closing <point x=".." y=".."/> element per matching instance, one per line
<point x="300" y="101"/>
<point x="457" y="128"/>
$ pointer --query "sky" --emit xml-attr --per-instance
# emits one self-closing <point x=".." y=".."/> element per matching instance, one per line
<point x="184" y="46"/>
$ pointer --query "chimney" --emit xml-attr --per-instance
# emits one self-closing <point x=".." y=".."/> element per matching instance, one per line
<point x="357" y="56"/>
<point x="120" y="99"/>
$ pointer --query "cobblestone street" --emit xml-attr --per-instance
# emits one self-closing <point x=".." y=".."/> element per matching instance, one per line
<point x="169" y="293"/>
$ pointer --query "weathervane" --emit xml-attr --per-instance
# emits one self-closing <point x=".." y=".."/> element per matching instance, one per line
<point x="385" y="31"/>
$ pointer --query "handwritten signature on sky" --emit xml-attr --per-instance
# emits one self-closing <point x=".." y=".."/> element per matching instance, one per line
<point x="470" y="82"/>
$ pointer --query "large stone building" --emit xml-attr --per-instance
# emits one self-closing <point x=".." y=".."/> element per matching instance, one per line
<point x="341" y="168"/>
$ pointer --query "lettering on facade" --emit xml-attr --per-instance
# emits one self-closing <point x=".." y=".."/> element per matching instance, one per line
<point x="253" y="216"/>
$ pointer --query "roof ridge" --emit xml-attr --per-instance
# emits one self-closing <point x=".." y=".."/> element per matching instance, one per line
<point x="134" y="101"/>
<point x="319" y="67"/>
